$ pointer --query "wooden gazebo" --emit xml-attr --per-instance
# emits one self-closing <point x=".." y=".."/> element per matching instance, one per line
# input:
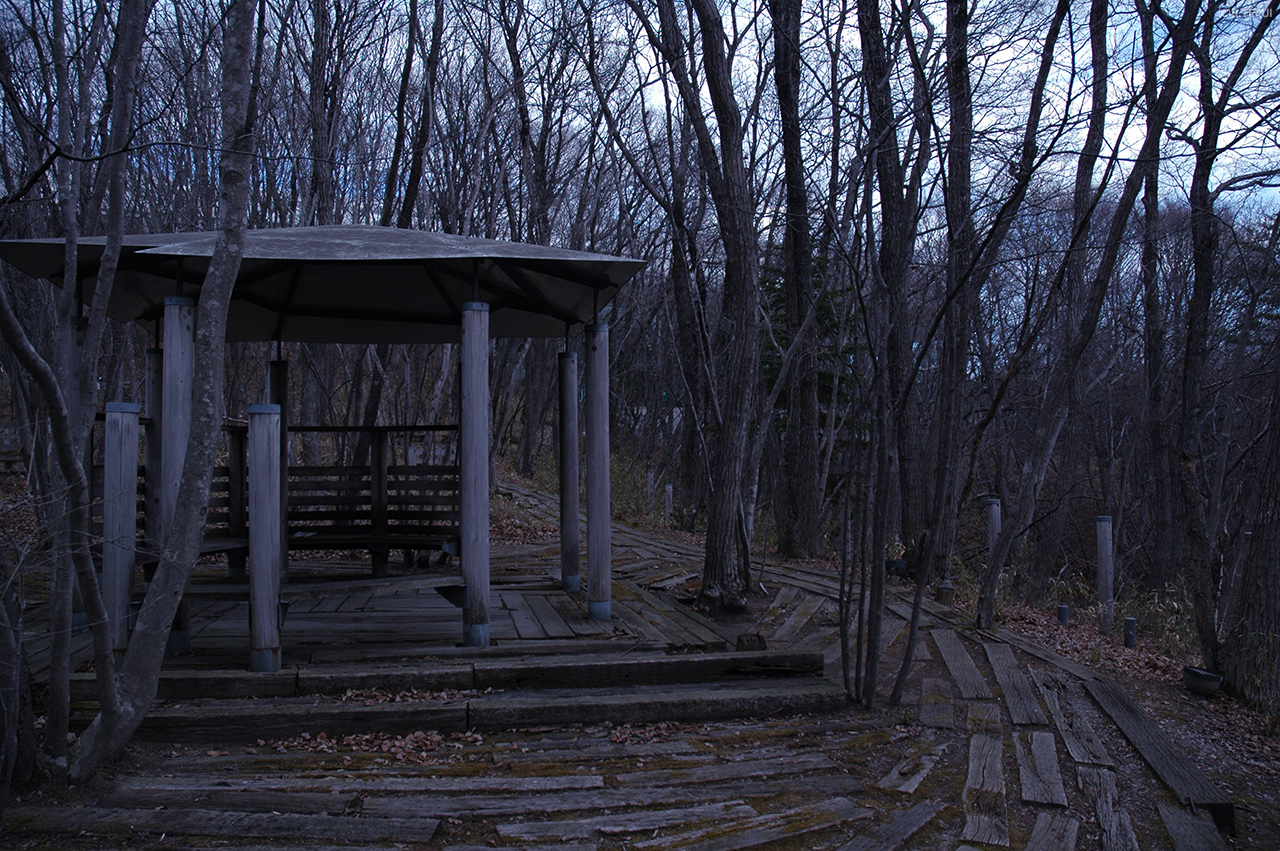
<point x="350" y="284"/>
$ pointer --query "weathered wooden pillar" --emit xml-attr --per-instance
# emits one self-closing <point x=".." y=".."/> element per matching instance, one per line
<point x="152" y="451"/>
<point x="599" y="523"/>
<point x="278" y="394"/>
<point x="474" y="463"/>
<point x="993" y="524"/>
<point x="378" y="551"/>
<point x="178" y="374"/>
<point x="237" y="501"/>
<point x="119" y="519"/>
<point x="570" y="536"/>
<point x="265" y="522"/>
<point x="1106" y="567"/>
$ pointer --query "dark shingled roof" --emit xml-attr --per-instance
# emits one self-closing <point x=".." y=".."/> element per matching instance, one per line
<point x="352" y="283"/>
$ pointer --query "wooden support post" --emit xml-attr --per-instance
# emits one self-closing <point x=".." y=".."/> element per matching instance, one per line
<point x="152" y="452"/>
<point x="993" y="524"/>
<point x="178" y="374"/>
<point x="1106" y="567"/>
<point x="570" y="535"/>
<point x="599" y="524"/>
<point x="237" y="502"/>
<point x="379" y="551"/>
<point x="265" y="523"/>
<point x="278" y="394"/>
<point x="119" y="519"/>
<point x="474" y="463"/>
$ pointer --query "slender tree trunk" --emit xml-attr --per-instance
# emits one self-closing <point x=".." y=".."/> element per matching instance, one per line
<point x="799" y="504"/>
<point x="139" y="675"/>
<point x="1054" y="407"/>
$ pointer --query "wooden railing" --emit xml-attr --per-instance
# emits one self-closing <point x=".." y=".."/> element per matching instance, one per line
<point x="379" y="506"/>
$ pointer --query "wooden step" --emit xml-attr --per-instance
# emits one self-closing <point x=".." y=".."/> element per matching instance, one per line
<point x="587" y="670"/>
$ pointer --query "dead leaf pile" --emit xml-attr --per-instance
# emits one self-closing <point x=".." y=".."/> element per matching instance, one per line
<point x="628" y="734"/>
<point x="375" y="696"/>
<point x="424" y="747"/>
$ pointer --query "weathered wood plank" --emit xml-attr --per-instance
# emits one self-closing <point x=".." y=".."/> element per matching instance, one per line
<point x="201" y="822"/>
<point x="936" y="708"/>
<point x="552" y="623"/>
<point x="1053" y="832"/>
<point x="985" y="717"/>
<point x="903" y="825"/>
<point x="958" y="661"/>
<point x="799" y="616"/>
<point x="526" y="624"/>
<point x="1019" y="695"/>
<point x="1170" y="764"/>
<point x="360" y="783"/>
<point x="986" y="812"/>
<point x="910" y="772"/>
<point x="769" y="829"/>
<point x="1099" y="785"/>
<point x="903" y="610"/>
<point x="1190" y="833"/>
<point x="890" y="629"/>
<point x="1077" y="733"/>
<point x="620" y="823"/>
<point x="236" y="800"/>
<point x="1038" y="769"/>
<point x="777" y="609"/>
<point x="524" y="803"/>
<point x="720" y="772"/>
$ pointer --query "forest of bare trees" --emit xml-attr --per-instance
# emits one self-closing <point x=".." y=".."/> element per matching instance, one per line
<point x="903" y="258"/>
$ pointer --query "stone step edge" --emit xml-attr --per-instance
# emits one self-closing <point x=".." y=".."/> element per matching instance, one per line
<point x="245" y="722"/>
<point x="583" y="671"/>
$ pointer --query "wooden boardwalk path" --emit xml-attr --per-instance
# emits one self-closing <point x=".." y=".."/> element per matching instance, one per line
<point x="997" y="744"/>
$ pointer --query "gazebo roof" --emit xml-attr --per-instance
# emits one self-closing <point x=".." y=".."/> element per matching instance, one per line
<point x="351" y="283"/>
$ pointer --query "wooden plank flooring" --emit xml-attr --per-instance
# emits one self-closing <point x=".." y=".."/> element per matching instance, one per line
<point x="1077" y="732"/>
<point x="1038" y="768"/>
<point x="985" y="809"/>
<point x="892" y="836"/>
<point x="1019" y="695"/>
<point x="1099" y="787"/>
<point x="1171" y="765"/>
<point x="958" y="661"/>
<point x="1053" y="832"/>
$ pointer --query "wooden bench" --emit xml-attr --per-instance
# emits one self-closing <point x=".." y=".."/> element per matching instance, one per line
<point x="375" y="508"/>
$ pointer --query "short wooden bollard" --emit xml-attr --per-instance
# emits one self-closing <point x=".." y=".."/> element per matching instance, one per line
<point x="1130" y="632"/>
<point x="265" y="553"/>
<point x="1106" y="566"/>
<point x="993" y="523"/>
<point x="1064" y="615"/>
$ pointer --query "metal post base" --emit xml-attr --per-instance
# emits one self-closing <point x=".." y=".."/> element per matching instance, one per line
<point x="571" y="583"/>
<point x="475" y="635"/>
<point x="264" y="661"/>
<point x="599" y="611"/>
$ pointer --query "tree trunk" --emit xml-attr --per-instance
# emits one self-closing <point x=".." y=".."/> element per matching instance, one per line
<point x="1054" y="407"/>
<point x="1251" y="645"/>
<point x="108" y="733"/>
<point x="799" y="503"/>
